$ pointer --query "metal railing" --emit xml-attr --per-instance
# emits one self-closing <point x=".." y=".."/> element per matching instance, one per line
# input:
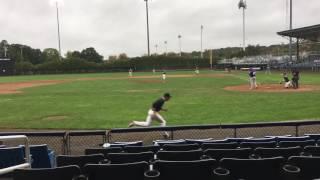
<point x="75" y="142"/>
<point x="27" y="164"/>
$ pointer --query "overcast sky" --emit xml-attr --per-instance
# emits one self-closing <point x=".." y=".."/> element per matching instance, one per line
<point x="116" y="26"/>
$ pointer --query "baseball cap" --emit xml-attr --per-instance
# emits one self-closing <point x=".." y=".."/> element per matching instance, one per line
<point x="167" y="95"/>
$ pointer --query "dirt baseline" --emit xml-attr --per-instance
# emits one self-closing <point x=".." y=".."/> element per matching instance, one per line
<point x="272" y="88"/>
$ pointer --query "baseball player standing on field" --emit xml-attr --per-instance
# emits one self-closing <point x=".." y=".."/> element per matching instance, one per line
<point x="154" y="114"/>
<point x="252" y="78"/>
<point x="164" y="76"/>
<point x="130" y="72"/>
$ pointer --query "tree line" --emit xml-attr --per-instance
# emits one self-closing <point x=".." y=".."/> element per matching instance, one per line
<point x="35" y="61"/>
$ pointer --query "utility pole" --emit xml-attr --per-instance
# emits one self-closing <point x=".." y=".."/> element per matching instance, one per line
<point x="179" y="37"/>
<point x="59" y="37"/>
<point x="148" y="33"/>
<point x="290" y="43"/>
<point x="202" y="41"/>
<point x="242" y="4"/>
<point x="166" y="47"/>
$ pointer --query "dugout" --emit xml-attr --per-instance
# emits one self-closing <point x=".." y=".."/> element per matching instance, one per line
<point x="6" y="67"/>
<point x="311" y="33"/>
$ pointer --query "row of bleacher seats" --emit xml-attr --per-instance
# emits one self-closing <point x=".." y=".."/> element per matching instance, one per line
<point x="297" y="168"/>
<point x="117" y="155"/>
<point x="176" y="155"/>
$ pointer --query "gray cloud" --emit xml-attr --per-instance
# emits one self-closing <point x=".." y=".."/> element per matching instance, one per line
<point x="113" y="26"/>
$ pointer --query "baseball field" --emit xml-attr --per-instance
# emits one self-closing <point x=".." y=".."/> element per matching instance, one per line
<point x="112" y="100"/>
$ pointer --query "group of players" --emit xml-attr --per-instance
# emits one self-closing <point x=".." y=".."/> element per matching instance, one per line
<point x="293" y="83"/>
<point x="164" y="74"/>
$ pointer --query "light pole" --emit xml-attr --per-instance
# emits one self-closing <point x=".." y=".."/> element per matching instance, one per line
<point x="290" y="43"/>
<point x="202" y="41"/>
<point x="179" y="37"/>
<point x="166" y="47"/>
<point x="148" y="33"/>
<point x="58" y="24"/>
<point x="242" y="4"/>
<point x="156" y="46"/>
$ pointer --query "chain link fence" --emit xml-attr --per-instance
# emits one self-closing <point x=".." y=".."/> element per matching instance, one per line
<point x="75" y="142"/>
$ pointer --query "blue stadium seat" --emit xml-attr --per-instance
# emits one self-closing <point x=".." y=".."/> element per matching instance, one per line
<point x="163" y="142"/>
<point x="254" y="145"/>
<point x="11" y="157"/>
<point x="187" y="170"/>
<point x="180" y="147"/>
<point x="80" y="161"/>
<point x="309" y="167"/>
<point x="315" y="137"/>
<point x="104" y="151"/>
<point x="276" y="152"/>
<point x="41" y="156"/>
<point x="197" y="141"/>
<point x="139" y="149"/>
<point x="134" y="171"/>
<point x="238" y="140"/>
<point x="297" y="143"/>
<point x="312" y="151"/>
<point x="123" y="158"/>
<point x="254" y="169"/>
<point x="60" y="173"/>
<point x="219" y="154"/>
<point x="260" y="140"/>
<point x="218" y="145"/>
<point x="301" y="138"/>
<point x="180" y="155"/>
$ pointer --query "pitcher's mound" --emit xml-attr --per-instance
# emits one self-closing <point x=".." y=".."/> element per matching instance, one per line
<point x="272" y="88"/>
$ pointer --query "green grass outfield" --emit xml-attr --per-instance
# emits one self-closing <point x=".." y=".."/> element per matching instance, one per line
<point x="113" y="103"/>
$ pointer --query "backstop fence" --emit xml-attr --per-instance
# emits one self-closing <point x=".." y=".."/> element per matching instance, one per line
<point x="75" y="142"/>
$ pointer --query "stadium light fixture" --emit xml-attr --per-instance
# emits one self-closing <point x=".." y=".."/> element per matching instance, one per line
<point x="166" y="47"/>
<point x="243" y="4"/>
<point x="179" y="37"/>
<point x="148" y="33"/>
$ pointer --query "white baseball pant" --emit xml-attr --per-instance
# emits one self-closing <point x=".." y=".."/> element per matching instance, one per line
<point x="152" y="115"/>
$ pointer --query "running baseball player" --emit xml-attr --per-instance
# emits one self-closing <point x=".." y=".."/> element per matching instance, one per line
<point x="252" y="79"/>
<point x="154" y="114"/>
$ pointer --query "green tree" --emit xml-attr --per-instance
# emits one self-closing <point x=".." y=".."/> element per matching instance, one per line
<point x="50" y="54"/>
<point x="91" y="55"/>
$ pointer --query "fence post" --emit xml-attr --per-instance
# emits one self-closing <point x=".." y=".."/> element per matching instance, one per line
<point x="172" y="132"/>
<point x="297" y="130"/>
<point x="109" y="136"/>
<point x="235" y="134"/>
<point x="65" y="143"/>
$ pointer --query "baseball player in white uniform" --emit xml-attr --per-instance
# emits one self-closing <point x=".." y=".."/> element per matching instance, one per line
<point x="154" y="114"/>
<point x="164" y="76"/>
<point x="130" y="72"/>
